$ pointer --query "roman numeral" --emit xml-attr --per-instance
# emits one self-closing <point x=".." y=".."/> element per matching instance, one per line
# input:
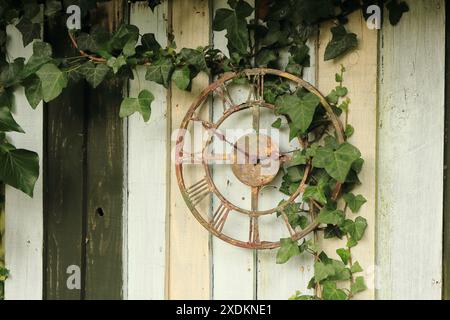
<point x="198" y="191"/>
<point x="220" y="217"/>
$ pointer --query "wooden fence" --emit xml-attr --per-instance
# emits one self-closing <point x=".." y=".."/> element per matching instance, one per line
<point x="396" y="81"/>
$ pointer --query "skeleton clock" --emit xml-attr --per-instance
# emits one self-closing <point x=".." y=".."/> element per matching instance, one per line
<point x="250" y="156"/>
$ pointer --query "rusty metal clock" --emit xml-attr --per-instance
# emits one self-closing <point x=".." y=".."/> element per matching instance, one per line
<point x="254" y="161"/>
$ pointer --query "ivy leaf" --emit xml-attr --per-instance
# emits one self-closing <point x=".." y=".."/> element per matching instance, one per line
<point x="341" y="43"/>
<point x="337" y="163"/>
<point x="300" y="110"/>
<point x="19" y="168"/>
<point x="355" y="228"/>
<point x="234" y="21"/>
<point x="52" y="7"/>
<point x="356" y="268"/>
<point x="181" y="77"/>
<point x="396" y="10"/>
<point x="194" y="58"/>
<point x="141" y="104"/>
<point x="160" y="71"/>
<point x="149" y="42"/>
<point x="344" y="254"/>
<point x="277" y="124"/>
<point x="265" y="57"/>
<point x="29" y="30"/>
<point x="33" y="91"/>
<point x="288" y="249"/>
<point x="322" y="271"/>
<point x="334" y="217"/>
<point x="7" y="122"/>
<point x="94" y="73"/>
<point x="315" y="192"/>
<point x="358" y="285"/>
<point x="331" y="292"/>
<point x="53" y="81"/>
<point x="354" y="202"/>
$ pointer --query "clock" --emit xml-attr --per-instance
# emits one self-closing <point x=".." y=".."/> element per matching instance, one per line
<point x="251" y="156"/>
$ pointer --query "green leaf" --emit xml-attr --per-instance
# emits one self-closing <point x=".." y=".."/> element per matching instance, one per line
<point x="337" y="163"/>
<point x="288" y="249"/>
<point x="349" y="130"/>
<point x="323" y="271"/>
<point x="331" y="292"/>
<point x="19" y="168"/>
<point x="234" y="21"/>
<point x="396" y="10"/>
<point x="344" y="254"/>
<point x="300" y="110"/>
<point x="94" y="73"/>
<point x="160" y="71"/>
<point x="29" y="30"/>
<point x="265" y="57"/>
<point x="315" y="192"/>
<point x="356" y="268"/>
<point x="334" y="217"/>
<point x="33" y="91"/>
<point x="277" y="123"/>
<point x="358" y="285"/>
<point x="341" y="43"/>
<point x="53" y="81"/>
<point x="7" y="122"/>
<point x="355" y="228"/>
<point x="182" y="78"/>
<point x="194" y="58"/>
<point x="354" y="202"/>
<point x="141" y="104"/>
<point x="52" y="7"/>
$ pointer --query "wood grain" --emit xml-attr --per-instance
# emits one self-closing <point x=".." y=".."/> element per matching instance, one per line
<point x="147" y="173"/>
<point x="189" y="256"/>
<point x="361" y="81"/>
<point x="411" y="140"/>
<point x="24" y="215"/>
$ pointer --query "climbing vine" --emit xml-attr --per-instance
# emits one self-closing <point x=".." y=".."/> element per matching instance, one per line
<point x="256" y="38"/>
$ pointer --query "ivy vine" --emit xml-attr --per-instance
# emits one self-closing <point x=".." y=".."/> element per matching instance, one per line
<point x="256" y="38"/>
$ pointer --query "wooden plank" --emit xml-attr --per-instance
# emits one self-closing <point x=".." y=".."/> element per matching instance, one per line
<point x="280" y="281"/>
<point x="104" y="190"/>
<point x="233" y="267"/>
<point x="64" y="177"/>
<point x="147" y="174"/>
<point x="24" y="215"/>
<point x="361" y="81"/>
<point x="411" y="140"/>
<point x="446" y="243"/>
<point x="189" y="259"/>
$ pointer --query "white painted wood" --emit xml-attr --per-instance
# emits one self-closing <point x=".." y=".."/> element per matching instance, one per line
<point x="147" y="173"/>
<point x="233" y="267"/>
<point x="410" y="166"/>
<point x="280" y="281"/>
<point x="24" y="215"/>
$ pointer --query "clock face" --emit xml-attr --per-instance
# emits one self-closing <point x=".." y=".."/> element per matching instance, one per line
<point x="230" y="160"/>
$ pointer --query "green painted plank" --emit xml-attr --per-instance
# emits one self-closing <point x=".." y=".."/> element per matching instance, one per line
<point x="104" y="191"/>
<point x="63" y="180"/>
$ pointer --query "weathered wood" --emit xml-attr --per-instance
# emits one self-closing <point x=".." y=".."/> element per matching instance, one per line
<point x="446" y="242"/>
<point x="104" y="179"/>
<point x="233" y="268"/>
<point x="189" y="256"/>
<point x="361" y="81"/>
<point x="411" y="140"/>
<point x="64" y="162"/>
<point x="24" y="215"/>
<point x="148" y="148"/>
